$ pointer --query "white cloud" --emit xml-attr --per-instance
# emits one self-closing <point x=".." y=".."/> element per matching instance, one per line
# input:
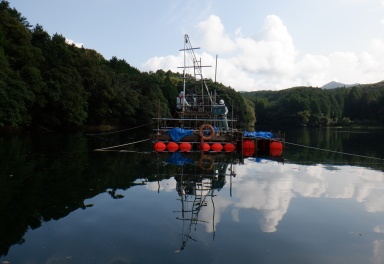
<point x="214" y="37"/>
<point x="168" y="63"/>
<point x="70" y="42"/>
<point x="271" y="62"/>
<point x="273" y="54"/>
<point x="312" y="69"/>
<point x="343" y="66"/>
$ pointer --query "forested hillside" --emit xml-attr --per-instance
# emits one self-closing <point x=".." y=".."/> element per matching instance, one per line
<point x="44" y="81"/>
<point x="307" y="106"/>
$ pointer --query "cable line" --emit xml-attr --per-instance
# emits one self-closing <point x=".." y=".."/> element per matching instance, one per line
<point x="101" y="149"/>
<point x="333" y="151"/>
<point x="113" y="132"/>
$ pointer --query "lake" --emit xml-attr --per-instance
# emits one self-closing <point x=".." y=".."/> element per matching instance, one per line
<point x="63" y="202"/>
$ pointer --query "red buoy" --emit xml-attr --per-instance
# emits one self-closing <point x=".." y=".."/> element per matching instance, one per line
<point x="217" y="147"/>
<point x="275" y="152"/>
<point x="248" y="148"/>
<point x="229" y="147"/>
<point x="172" y="147"/>
<point x="248" y="144"/>
<point x="159" y="146"/>
<point x="185" y="147"/>
<point x="276" y="145"/>
<point x="205" y="147"/>
<point x="275" y="149"/>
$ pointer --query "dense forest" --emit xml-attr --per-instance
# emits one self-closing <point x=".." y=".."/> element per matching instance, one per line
<point x="307" y="106"/>
<point x="46" y="82"/>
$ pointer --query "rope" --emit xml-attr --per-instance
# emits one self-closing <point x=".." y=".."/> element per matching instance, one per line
<point x="101" y="149"/>
<point x="107" y="133"/>
<point x="124" y="151"/>
<point x="333" y="151"/>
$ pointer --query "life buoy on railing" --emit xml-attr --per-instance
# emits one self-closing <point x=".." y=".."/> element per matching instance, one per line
<point x="206" y="126"/>
<point x="206" y="162"/>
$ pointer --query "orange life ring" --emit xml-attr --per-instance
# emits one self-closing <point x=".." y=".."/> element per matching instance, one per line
<point x="203" y="160"/>
<point x="201" y="129"/>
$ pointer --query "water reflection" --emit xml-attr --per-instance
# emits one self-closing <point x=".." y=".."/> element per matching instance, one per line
<point x="314" y="207"/>
<point x="198" y="177"/>
<point x="268" y="188"/>
<point x="272" y="196"/>
<point x="51" y="176"/>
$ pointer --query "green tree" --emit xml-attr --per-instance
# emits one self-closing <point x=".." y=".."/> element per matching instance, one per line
<point x="17" y="57"/>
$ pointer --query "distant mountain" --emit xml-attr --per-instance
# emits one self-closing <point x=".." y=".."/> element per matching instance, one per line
<point x="332" y="85"/>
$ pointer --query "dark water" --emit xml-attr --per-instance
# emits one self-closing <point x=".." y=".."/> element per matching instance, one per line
<point x="62" y="202"/>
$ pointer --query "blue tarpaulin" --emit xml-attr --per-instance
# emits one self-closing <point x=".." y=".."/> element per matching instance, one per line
<point x="178" y="133"/>
<point x="178" y="159"/>
<point x="258" y="134"/>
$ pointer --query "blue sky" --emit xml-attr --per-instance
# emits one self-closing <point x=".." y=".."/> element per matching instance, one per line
<point x="261" y="44"/>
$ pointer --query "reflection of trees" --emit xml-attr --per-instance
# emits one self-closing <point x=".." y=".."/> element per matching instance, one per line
<point x="361" y="142"/>
<point x="51" y="176"/>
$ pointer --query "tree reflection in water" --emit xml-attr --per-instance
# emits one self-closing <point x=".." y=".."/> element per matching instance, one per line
<point x="50" y="177"/>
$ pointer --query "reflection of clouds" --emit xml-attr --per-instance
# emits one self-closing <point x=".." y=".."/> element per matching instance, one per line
<point x="363" y="185"/>
<point x="371" y="191"/>
<point x="308" y="182"/>
<point x="212" y="212"/>
<point x="164" y="185"/>
<point x="379" y="229"/>
<point x="378" y="252"/>
<point x="268" y="187"/>
<point x="235" y="214"/>
<point x="375" y="201"/>
<point x="269" y="194"/>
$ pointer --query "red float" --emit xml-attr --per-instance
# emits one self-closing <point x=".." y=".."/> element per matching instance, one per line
<point x="229" y="147"/>
<point x="159" y="146"/>
<point x="248" y="144"/>
<point x="205" y="147"/>
<point x="275" y="149"/>
<point x="248" y="148"/>
<point x="217" y="147"/>
<point x="172" y="147"/>
<point x="276" y="145"/>
<point x="185" y="147"/>
<point x="275" y="152"/>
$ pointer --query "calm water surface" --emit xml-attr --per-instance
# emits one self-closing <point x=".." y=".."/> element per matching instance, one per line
<point x="62" y="202"/>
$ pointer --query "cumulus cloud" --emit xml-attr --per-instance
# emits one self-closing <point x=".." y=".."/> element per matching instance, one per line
<point x="273" y="54"/>
<point x="71" y="42"/>
<point x="214" y="37"/>
<point x="167" y="63"/>
<point x="272" y="62"/>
